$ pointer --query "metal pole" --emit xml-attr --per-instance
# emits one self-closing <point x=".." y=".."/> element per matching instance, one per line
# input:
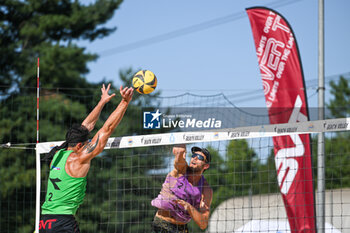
<point x="321" y="147"/>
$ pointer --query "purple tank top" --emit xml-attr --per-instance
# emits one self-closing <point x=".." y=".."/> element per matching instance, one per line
<point x="178" y="188"/>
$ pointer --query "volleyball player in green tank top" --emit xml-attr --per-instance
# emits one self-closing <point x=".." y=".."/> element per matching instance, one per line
<point x="71" y="163"/>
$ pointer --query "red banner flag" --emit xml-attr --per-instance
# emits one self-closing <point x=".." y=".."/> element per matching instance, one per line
<point x="283" y="84"/>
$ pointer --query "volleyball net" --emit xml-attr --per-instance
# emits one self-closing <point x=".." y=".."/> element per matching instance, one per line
<point x="243" y="176"/>
<point x="129" y="173"/>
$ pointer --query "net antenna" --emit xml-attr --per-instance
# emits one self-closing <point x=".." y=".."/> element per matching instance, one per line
<point x="37" y="102"/>
<point x="37" y="153"/>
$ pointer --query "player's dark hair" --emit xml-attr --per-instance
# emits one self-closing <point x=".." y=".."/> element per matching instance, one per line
<point x="76" y="134"/>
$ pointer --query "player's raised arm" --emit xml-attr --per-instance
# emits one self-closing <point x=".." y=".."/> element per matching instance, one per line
<point x="92" y="118"/>
<point x="97" y="144"/>
<point x="180" y="164"/>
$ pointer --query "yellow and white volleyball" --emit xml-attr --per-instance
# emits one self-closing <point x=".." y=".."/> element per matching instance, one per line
<point x="144" y="81"/>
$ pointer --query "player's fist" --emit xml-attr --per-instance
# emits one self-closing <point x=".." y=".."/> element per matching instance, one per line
<point x="185" y="204"/>
<point x="179" y="149"/>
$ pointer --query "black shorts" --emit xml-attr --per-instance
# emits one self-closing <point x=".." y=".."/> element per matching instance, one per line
<point x="58" y="223"/>
<point x="161" y="226"/>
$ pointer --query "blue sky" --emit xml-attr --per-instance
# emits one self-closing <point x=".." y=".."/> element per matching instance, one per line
<point x="219" y="55"/>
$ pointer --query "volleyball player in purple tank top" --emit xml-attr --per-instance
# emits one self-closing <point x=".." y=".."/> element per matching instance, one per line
<point x="185" y="193"/>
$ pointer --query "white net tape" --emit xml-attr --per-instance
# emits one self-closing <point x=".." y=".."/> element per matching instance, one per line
<point x="331" y="125"/>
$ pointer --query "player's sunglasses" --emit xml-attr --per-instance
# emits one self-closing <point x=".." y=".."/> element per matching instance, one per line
<point x="199" y="156"/>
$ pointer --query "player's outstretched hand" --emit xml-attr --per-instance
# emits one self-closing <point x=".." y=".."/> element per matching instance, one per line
<point x="105" y="97"/>
<point x="126" y="93"/>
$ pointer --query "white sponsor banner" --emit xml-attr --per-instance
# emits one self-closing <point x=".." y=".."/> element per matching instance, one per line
<point x="340" y="124"/>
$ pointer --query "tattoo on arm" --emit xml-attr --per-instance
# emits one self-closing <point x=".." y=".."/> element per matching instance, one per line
<point x="91" y="147"/>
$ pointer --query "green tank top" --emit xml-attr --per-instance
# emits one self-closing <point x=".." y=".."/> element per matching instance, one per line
<point x="64" y="193"/>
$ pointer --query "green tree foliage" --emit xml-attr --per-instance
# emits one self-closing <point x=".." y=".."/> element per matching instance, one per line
<point x="337" y="148"/>
<point x="337" y="161"/>
<point x="112" y="174"/>
<point x="336" y="144"/>
<point x="337" y="153"/>
<point x="48" y="29"/>
<point x="17" y="167"/>
<point x="120" y="185"/>
<point x="340" y="103"/>
<point x="244" y="174"/>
